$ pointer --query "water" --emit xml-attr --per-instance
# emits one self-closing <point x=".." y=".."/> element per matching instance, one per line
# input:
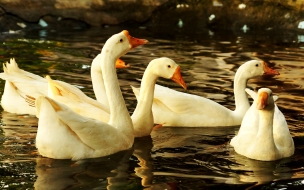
<point x="176" y="158"/>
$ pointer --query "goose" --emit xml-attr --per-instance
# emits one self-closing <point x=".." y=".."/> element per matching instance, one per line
<point x="264" y="133"/>
<point x="142" y="116"/>
<point x="173" y="108"/>
<point x="280" y="126"/>
<point x="64" y="134"/>
<point x="20" y="84"/>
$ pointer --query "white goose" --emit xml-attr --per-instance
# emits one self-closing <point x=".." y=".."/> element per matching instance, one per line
<point x="264" y="133"/>
<point x="21" y="84"/>
<point x="251" y="121"/>
<point x="142" y="116"/>
<point x="64" y="134"/>
<point x="173" y="108"/>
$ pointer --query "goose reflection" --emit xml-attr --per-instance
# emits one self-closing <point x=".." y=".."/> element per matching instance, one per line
<point x="107" y="172"/>
<point x="120" y="180"/>
<point x="260" y="172"/>
<point x="142" y="151"/>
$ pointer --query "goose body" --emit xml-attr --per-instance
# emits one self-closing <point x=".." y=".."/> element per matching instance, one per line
<point x="264" y="133"/>
<point x="142" y="116"/>
<point x="173" y="108"/>
<point x="76" y="100"/>
<point x="18" y="85"/>
<point x="64" y="134"/>
<point x="21" y="85"/>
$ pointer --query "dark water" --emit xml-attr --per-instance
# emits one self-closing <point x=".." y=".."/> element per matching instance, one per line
<point x="172" y="158"/>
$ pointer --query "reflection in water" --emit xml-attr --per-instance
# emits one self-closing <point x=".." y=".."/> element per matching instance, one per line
<point x="206" y="153"/>
<point x="142" y="151"/>
<point x="108" y="171"/>
<point x="55" y="174"/>
<point x="193" y="153"/>
<point x="260" y="172"/>
<point x="17" y="152"/>
<point x="20" y="133"/>
<point x="120" y="180"/>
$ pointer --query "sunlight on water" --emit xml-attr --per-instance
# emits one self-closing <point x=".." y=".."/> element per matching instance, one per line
<point x="172" y="158"/>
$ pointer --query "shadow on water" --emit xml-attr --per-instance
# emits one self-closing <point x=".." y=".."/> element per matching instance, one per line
<point x="172" y="158"/>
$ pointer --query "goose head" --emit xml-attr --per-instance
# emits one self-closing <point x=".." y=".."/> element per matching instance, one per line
<point x="265" y="99"/>
<point x="119" y="44"/>
<point x="167" y="68"/>
<point x="255" y="68"/>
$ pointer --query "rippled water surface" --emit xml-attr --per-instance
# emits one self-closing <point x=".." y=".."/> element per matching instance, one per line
<point x="172" y="158"/>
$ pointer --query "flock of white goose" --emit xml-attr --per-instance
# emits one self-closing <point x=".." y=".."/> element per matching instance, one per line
<point x="74" y="126"/>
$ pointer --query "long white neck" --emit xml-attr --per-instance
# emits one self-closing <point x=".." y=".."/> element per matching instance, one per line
<point x="98" y="83"/>
<point x="146" y="93"/>
<point x="142" y="117"/>
<point x="119" y="116"/>
<point x="265" y="133"/>
<point x="241" y="99"/>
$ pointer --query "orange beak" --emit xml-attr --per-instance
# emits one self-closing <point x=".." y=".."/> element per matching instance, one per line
<point x="262" y="100"/>
<point x="120" y="64"/>
<point x="177" y="77"/>
<point x="268" y="70"/>
<point x="134" y="41"/>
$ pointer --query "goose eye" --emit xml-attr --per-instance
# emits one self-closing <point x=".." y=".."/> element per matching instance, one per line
<point x="169" y="66"/>
<point x="121" y="40"/>
<point x="257" y="65"/>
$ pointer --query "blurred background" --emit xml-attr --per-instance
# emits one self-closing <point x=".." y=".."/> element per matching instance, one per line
<point x="159" y="15"/>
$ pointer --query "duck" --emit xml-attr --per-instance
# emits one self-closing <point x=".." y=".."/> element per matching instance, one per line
<point x="142" y="116"/>
<point x="264" y="133"/>
<point x="178" y="109"/>
<point x="22" y="86"/>
<point x="64" y="134"/>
